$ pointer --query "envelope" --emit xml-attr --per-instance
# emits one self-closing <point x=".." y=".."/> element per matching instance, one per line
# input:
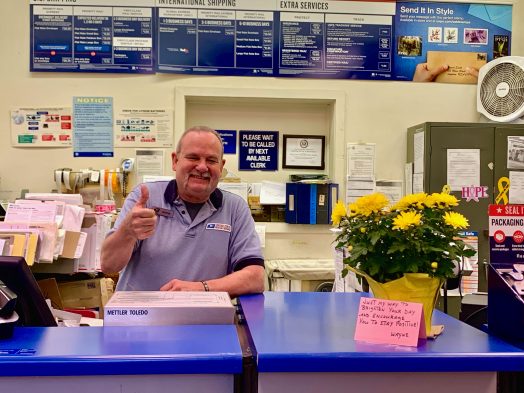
<point x="18" y="243"/>
<point x="457" y="62"/>
<point x="499" y="15"/>
<point x="30" y="245"/>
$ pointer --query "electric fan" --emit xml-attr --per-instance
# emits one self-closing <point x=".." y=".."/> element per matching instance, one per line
<point x="500" y="89"/>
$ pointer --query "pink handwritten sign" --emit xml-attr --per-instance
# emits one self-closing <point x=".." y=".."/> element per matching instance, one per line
<point x="390" y="322"/>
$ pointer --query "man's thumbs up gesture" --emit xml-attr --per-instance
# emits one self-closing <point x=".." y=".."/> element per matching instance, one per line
<point x="140" y="222"/>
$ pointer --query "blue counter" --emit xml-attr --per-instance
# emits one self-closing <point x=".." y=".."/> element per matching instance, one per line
<point x="160" y="358"/>
<point x="302" y="338"/>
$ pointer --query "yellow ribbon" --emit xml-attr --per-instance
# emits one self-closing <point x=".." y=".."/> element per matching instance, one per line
<point x="503" y="186"/>
<point x="446" y="189"/>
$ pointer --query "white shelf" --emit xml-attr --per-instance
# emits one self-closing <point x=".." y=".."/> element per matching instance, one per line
<point x="282" y="227"/>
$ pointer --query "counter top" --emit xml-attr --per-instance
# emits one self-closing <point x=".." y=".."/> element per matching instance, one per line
<point x="187" y="349"/>
<point x="313" y="332"/>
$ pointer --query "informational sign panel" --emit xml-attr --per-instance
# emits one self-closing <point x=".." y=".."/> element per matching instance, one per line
<point x="92" y="35"/>
<point x="93" y="126"/>
<point x="336" y="39"/>
<point x="330" y="39"/>
<point x="258" y="151"/>
<point x="149" y="165"/>
<point x="41" y="127"/>
<point x="144" y="127"/>
<point x="423" y="28"/>
<point x="197" y="37"/>
<point x="506" y="236"/>
<point x="229" y="139"/>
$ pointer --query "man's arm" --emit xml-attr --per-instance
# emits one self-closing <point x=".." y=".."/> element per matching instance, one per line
<point x="116" y="251"/>
<point x="138" y="224"/>
<point x="247" y="280"/>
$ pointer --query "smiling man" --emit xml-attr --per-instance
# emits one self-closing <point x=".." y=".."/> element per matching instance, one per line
<point x="186" y="235"/>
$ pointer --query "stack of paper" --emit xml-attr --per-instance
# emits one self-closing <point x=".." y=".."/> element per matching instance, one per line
<point x="19" y="240"/>
<point x="42" y="230"/>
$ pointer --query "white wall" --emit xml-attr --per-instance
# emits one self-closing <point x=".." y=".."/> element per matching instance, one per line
<point x="376" y="112"/>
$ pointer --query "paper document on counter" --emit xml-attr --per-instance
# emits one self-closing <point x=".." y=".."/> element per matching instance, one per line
<point x="272" y="193"/>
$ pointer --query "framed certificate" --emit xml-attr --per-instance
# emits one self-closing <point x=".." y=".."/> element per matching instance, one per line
<point x="304" y="152"/>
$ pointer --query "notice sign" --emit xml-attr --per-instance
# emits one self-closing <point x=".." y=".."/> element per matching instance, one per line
<point x="390" y="322"/>
<point x="506" y="236"/>
<point x="258" y="151"/>
<point x="93" y="126"/>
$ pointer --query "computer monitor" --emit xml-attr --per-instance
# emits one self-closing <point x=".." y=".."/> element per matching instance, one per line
<point x="30" y="305"/>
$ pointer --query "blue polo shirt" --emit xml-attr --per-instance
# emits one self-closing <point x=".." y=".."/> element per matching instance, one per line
<point x="220" y="240"/>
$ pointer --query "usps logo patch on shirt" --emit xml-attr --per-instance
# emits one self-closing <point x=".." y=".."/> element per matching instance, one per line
<point x="219" y="227"/>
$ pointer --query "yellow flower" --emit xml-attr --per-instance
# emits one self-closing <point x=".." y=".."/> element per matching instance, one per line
<point x="406" y="219"/>
<point x="420" y="234"/>
<point x="338" y="212"/>
<point x="432" y="201"/>
<point x="456" y="220"/>
<point x="352" y="209"/>
<point x="443" y="200"/>
<point x="372" y="203"/>
<point x="410" y="201"/>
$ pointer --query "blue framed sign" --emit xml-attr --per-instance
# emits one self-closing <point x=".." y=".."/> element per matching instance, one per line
<point x="198" y="38"/>
<point x="334" y="39"/>
<point x="258" y="151"/>
<point x="329" y="39"/>
<point x="92" y="36"/>
<point x="229" y="139"/>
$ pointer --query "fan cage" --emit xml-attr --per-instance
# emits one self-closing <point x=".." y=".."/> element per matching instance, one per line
<point x="509" y="104"/>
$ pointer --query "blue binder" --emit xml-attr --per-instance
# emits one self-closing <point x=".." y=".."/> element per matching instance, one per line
<point x="310" y="203"/>
<point x="306" y="203"/>
<point x="303" y="203"/>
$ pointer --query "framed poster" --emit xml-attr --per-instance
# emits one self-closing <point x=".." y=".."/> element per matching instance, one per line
<point x="304" y="151"/>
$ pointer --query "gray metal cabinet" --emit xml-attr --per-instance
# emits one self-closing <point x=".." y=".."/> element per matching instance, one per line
<point x="492" y="141"/>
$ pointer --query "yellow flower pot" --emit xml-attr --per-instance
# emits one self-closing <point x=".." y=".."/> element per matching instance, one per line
<point x="412" y="287"/>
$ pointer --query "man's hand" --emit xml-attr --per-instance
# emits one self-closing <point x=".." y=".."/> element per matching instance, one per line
<point x="140" y="222"/>
<point x="247" y="280"/>
<point x="179" y="285"/>
<point x="423" y="74"/>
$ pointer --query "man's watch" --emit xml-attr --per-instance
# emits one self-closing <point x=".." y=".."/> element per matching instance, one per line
<point x="206" y="287"/>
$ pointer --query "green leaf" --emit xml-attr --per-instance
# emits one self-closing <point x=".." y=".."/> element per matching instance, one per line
<point x="374" y="237"/>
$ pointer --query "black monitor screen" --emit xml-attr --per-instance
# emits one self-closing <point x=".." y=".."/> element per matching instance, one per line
<point x="30" y="305"/>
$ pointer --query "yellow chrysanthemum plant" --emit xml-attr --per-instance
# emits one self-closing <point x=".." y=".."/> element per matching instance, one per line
<point x="419" y="234"/>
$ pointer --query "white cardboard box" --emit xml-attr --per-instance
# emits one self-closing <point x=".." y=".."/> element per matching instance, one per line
<point x="142" y="308"/>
